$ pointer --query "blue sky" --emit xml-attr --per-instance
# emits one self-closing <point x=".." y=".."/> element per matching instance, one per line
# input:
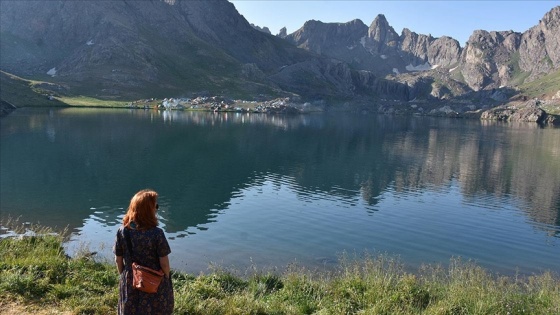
<point x="457" y="19"/>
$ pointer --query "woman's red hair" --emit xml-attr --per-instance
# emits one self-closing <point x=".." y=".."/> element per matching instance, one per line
<point x="142" y="210"/>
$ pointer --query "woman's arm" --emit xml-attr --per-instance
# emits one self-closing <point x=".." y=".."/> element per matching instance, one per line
<point x="164" y="263"/>
<point x="120" y="264"/>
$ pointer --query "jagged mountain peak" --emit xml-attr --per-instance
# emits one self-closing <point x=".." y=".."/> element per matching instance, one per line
<point x="263" y="29"/>
<point x="282" y="33"/>
<point x="355" y="22"/>
<point x="490" y="59"/>
<point x="310" y="24"/>
<point x="407" y="32"/>
<point x="552" y="18"/>
<point x="178" y="45"/>
<point x="381" y="31"/>
<point x="319" y="37"/>
<point x="380" y="20"/>
<point x="131" y="49"/>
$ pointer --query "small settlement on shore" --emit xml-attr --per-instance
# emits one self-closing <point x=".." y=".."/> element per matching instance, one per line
<point x="221" y="104"/>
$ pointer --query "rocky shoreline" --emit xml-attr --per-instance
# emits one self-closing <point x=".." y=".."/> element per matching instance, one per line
<point x="529" y="111"/>
<point x="515" y="110"/>
<point x="512" y="111"/>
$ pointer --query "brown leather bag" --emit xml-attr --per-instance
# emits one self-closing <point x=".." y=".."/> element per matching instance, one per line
<point x="143" y="278"/>
<point x="146" y="279"/>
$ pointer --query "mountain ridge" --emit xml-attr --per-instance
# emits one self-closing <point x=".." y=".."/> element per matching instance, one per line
<point x="128" y="49"/>
<point x="489" y="60"/>
<point x="121" y="48"/>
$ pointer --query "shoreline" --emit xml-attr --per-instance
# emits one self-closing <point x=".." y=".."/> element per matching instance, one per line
<point x="542" y="112"/>
<point x="36" y="278"/>
<point x="14" y="230"/>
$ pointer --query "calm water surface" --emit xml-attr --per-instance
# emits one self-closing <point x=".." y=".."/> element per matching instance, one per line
<point x="241" y="190"/>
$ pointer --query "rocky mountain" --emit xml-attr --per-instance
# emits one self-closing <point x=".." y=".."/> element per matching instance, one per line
<point x="494" y="59"/>
<point x="377" y="48"/>
<point x="130" y="48"/>
<point x="488" y="61"/>
<point x="262" y="29"/>
<point x="539" y="48"/>
<point x="282" y="33"/>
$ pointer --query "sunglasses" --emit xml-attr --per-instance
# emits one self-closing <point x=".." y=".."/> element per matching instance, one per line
<point x="157" y="206"/>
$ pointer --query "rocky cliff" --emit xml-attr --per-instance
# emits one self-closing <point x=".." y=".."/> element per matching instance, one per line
<point x="130" y="49"/>
<point x="494" y="59"/>
<point x="377" y="48"/>
<point x="110" y="47"/>
<point x="489" y="60"/>
<point x="539" y="48"/>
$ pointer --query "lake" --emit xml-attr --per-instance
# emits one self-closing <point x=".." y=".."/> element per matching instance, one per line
<point x="243" y="191"/>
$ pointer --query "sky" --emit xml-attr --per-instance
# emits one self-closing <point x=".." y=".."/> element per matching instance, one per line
<point x="457" y="19"/>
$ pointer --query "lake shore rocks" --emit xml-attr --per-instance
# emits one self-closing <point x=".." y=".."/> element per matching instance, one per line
<point x="513" y="111"/>
<point x="528" y="111"/>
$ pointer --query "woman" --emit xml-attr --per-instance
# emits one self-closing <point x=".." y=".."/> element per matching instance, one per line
<point x="150" y="249"/>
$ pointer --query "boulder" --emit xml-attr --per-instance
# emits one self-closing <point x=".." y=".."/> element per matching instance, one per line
<point x="531" y="113"/>
<point x="527" y="112"/>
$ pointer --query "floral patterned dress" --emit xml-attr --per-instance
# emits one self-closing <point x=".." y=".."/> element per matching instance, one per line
<point x="147" y="246"/>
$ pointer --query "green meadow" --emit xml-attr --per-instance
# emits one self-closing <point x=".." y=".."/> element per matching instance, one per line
<point x="36" y="275"/>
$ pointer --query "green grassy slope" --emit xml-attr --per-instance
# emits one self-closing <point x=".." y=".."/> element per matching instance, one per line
<point x="21" y="92"/>
<point x="546" y="86"/>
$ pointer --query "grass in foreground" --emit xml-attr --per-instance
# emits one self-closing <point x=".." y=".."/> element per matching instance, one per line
<point x="35" y="271"/>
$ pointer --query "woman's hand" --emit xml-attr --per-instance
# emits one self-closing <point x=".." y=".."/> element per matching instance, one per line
<point x="164" y="264"/>
<point x="120" y="264"/>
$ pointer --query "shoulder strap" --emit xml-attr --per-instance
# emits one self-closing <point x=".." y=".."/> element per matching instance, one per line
<point x="127" y="239"/>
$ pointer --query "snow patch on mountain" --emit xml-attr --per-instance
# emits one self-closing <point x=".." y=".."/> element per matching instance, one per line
<point x="423" y="67"/>
<point x="52" y="72"/>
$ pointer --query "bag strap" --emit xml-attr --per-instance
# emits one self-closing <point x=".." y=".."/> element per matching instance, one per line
<point x="126" y="233"/>
<point x="127" y="239"/>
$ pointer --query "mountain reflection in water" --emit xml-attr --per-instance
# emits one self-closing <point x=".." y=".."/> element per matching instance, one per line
<point x="254" y="188"/>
